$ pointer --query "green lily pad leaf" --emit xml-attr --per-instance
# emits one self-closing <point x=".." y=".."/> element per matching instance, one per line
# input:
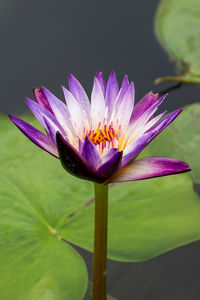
<point x="146" y="218"/>
<point x="177" y="27"/>
<point x="181" y="140"/>
<point x="35" y="263"/>
<point x="88" y="295"/>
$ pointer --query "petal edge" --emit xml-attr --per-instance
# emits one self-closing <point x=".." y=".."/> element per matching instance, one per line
<point x="150" y="167"/>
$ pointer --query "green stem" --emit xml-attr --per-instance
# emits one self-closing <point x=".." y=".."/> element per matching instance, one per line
<point x="100" y="242"/>
<point x="181" y="79"/>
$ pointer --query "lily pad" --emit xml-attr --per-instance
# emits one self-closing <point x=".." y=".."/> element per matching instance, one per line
<point x="146" y="218"/>
<point x="177" y="27"/>
<point x="35" y="263"/>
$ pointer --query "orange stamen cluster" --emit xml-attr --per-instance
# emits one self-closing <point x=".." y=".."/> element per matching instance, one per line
<point x="103" y="136"/>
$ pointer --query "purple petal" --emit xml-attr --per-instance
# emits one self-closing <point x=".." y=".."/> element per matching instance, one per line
<point x="122" y="92"/>
<point x="97" y="104"/>
<point x="40" y="112"/>
<point x="126" y="107"/>
<point x="73" y="162"/>
<point x="99" y="77"/>
<point x="112" y="91"/>
<point x="36" y="136"/>
<point x="147" y="101"/>
<point x="109" y="154"/>
<point x="147" y="115"/>
<point x="79" y="93"/>
<point x="80" y="146"/>
<point x="75" y="110"/>
<point x="90" y="154"/>
<point x="52" y="129"/>
<point x="60" y="110"/>
<point x="42" y="99"/>
<point x="138" y="145"/>
<point x="153" y="121"/>
<point x="132" y="151"/>
<point x="150" y="167"/>
<point x="111" y="166"/>
<point x="165" y="122"/>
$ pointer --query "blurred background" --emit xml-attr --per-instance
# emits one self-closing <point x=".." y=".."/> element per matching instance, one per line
<point x="41" y="42"/>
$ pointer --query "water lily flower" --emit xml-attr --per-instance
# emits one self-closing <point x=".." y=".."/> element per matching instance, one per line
<point x="99" y="140"/>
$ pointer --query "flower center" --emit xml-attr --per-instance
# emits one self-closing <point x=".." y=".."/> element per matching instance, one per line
<point x="105" y="136"/>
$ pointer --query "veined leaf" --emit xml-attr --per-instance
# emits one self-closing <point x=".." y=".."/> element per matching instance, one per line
<point x="146" y="218"/>
<point x="35" y="263"/>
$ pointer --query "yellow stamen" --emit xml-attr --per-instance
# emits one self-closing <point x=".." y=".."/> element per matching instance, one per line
<point x="103" y="135"/>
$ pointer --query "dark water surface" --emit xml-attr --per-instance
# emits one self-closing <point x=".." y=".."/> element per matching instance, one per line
<point x="41" y="42"/>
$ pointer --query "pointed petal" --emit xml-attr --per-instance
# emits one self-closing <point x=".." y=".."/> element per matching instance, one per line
<point x="79" y="93"/>
<point x="150" y="167"/>
<point x="59" y="109"/>
<point x="138" y="127"/>
<point x="122" y="93"/>
<point x="111" y="166"/>
<point x="42" y="99"/>
<point x="97" y="104"/>
<point x="90" y="154"/>
<point x="40" y="112"/>
<point x="126" y="107"/>
<point x="75" y="111"/>
<point x="109" y="154"/>
<point x="73" y="162"/>
<point x="165" y="122"/>
<point x="132" y="151"/>
<point x="99" y="77"/>
<point x="36" y="136"/>
<point x="52" y="129"/>
<point x="147" y="115"/>
<point x="153" y="121"/>
<point x="112" y="91"/>
<point x="147" y="101"/>
<point x="142" y="129"/>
